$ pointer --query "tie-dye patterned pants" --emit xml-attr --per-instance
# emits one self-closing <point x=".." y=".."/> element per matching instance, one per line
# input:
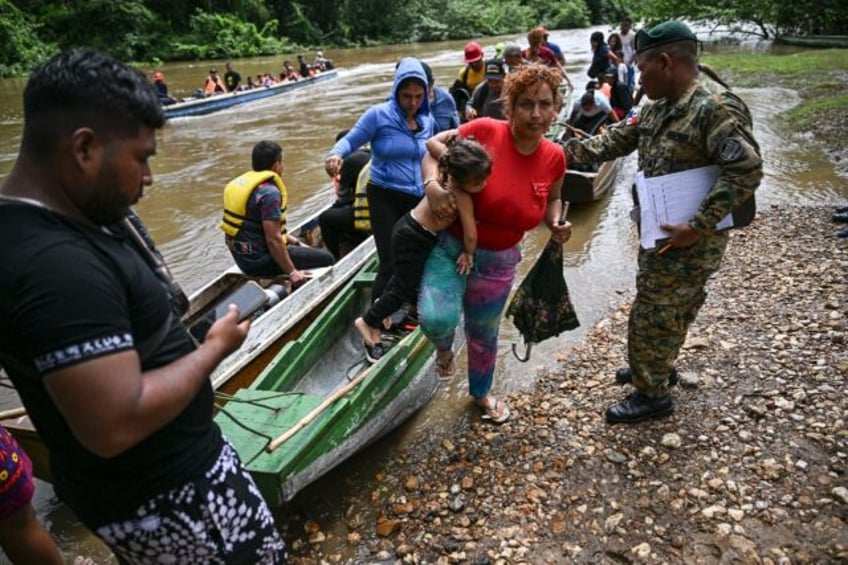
<point x="481" y="296"/>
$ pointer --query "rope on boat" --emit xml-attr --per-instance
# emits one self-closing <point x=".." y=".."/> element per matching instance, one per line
<point x="282" y="438"/>
<point x="243" y="425"/>
<point x="254" y="401"/>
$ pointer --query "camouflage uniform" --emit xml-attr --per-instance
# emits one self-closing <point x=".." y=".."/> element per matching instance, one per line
<point x="708" y="125"/>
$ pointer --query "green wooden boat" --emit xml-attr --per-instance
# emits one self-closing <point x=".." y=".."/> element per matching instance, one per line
<point x="319" y="401"/>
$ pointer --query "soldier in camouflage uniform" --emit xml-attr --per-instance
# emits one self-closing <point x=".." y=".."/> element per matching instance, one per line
<point x="694" y="122"/>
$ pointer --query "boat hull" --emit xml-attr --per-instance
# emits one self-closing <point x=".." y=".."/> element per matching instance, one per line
<point x="580" y="187"/>
<point x="203" y="106"/>
<point x="307" y="374"/>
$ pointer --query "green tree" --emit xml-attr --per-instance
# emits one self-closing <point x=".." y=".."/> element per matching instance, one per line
<point x="768" y="17"/>
<point x="232" y="36"/>
<point x="23" y="50"/>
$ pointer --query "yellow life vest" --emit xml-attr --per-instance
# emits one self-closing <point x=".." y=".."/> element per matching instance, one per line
<point x="361" y="215"/>
<point x="238" y="192"/>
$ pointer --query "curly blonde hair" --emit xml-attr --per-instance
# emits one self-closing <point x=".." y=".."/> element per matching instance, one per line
<point x="528" y="77"/>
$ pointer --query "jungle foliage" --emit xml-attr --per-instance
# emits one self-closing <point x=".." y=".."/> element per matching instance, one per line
<point x="151" y="30"/>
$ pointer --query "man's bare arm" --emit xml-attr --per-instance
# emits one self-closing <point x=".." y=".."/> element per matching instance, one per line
<point x="111" y="405"/>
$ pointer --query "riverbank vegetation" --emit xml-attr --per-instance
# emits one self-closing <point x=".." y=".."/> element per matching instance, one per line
<point x="819" y="76"/>
<point x="162" y="30"/>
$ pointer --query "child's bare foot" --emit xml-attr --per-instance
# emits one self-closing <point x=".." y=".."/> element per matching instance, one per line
<point x="370" y="335"/>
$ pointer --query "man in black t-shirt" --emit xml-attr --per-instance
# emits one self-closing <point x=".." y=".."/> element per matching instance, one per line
<point x="108" y="374"/>
<point x="303" y="67"/>
<point x="232" y="78"/>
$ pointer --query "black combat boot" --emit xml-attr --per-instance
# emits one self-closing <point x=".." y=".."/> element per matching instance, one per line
<point x="638" y="407"/>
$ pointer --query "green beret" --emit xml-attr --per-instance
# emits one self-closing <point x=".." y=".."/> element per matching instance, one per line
<point x="662" y="34"/>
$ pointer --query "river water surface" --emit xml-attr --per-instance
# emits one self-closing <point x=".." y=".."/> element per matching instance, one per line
<point x="197" y="156"/>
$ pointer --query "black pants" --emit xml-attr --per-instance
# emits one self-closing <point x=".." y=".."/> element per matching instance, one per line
<point x="386" y="207"/>
<point x="337" y="226"/>
<point x="411" y="245"/>
<point x="262" y="264"/>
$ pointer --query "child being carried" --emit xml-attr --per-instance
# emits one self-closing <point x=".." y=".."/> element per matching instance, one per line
<point x="463" y="170"/>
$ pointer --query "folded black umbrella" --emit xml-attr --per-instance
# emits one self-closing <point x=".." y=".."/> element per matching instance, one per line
<point x="541" y="307"/>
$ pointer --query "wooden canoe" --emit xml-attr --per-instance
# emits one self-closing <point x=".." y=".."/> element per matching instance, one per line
<point x="270" y="329"/>
<point x="319" y="401"/>
<point x="587" y="184"/>
<point x="203" y="106"/>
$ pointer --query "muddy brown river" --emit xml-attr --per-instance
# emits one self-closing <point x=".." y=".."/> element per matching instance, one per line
<point x="197" y="156"/>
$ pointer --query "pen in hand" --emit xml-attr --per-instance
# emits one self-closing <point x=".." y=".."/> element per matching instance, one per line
<point x="564" y="213"/>
<point x="664" y="248"/>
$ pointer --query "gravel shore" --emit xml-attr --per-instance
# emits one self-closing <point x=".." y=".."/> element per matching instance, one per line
<point x="751" y="468"/>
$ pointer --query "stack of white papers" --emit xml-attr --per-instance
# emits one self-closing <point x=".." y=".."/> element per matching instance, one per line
<point x="673" y="199"/>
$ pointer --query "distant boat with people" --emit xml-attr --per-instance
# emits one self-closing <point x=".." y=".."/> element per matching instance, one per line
<point x="201" y="106"/>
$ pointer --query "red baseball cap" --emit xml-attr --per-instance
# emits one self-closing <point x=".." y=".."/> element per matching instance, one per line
<point x="473" y="52"/>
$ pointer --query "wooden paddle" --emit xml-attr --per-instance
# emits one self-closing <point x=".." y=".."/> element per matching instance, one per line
<point x="282" y="438"/>
<point x="13" y="413"/>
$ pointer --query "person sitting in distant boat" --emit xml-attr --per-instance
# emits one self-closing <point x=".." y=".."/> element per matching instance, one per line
<point x="213" y="83"/>
<point x="303" y="67"/>
<point x="322" y="63"/>
<point x="255" y="221"/>
<point x="162" y="89"/>
<point x="232" y="78"/>
<point x="343" y="225"/>
<point x="289" y="72"/>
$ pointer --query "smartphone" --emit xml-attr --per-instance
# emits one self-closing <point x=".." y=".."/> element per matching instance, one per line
<point x="249" y="298"/>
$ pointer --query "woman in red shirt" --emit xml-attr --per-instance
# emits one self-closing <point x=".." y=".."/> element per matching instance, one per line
<point x="523" y="189"/>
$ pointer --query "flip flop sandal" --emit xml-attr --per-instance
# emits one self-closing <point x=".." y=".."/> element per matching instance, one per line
<point x="497" y="412"/>
<point x="445" y="367"/>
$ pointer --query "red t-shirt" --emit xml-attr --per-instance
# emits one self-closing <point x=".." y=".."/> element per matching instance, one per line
<point x="515" y="197"/>
<point x="545" y="56"/>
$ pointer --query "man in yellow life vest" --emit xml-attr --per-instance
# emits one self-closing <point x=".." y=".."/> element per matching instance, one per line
<point x="255" y="221"/>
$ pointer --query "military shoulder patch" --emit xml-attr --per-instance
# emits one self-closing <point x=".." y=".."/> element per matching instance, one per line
<point x="731" y="150"/>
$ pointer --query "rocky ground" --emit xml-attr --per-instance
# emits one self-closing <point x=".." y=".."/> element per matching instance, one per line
<point x="751" y="468"/>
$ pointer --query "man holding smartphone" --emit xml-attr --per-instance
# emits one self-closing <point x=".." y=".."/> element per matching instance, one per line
<point x="255" y="221"/>
<point x="110" y="377"/>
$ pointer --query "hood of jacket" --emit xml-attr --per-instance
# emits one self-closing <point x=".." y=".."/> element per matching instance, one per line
<point x="410" y="67"/>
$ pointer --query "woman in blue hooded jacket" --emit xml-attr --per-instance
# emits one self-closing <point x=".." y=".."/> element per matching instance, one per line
<point x="397" y="130"/>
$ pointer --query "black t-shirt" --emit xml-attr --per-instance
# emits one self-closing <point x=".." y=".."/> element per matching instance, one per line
<point x="232" y="79"/>
<point x="70" y="293"/>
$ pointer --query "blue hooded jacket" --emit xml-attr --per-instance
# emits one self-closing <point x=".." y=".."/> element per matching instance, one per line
<point x="396" y="151"/>
<point x="444" y="111"/>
